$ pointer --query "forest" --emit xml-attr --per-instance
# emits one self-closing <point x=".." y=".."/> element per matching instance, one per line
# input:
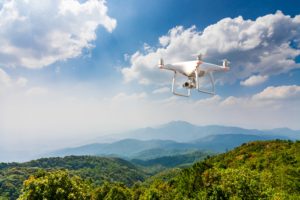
<point x="254" y="170"/>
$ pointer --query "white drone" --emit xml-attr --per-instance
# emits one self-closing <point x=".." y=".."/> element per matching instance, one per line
<point x="193" y="70"/>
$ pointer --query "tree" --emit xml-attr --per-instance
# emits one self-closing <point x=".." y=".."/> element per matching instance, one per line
<point x="54" y="185"/>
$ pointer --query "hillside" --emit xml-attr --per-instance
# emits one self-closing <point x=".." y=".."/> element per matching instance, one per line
<point x="95" y="169"/>
<point x="123" y="148"/>
<point x="181" y="131"/>
<point x="173" y="160"/>
<point x="150" y="149"/>
<point x="256" y="170"/>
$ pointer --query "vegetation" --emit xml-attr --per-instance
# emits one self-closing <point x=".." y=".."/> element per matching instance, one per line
<point x="95" y="170"/>
<point x="172" y="161"/>
<point x="256" y="170"/>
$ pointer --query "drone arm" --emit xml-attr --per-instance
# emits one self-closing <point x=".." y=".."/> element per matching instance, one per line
<point x="173" y="88"/>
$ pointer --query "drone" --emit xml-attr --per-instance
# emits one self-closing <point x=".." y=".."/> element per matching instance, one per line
<point x="194" y="70"/>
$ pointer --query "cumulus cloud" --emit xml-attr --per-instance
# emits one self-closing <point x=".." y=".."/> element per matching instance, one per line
<point x="9" y="84"/>
<point x="132" y="97"/>
<point x="265" y="46"/>
<point x="21" y="82"/>
<point x="36" y="91"/>
<point x="5" y="79"/>
<point x="279" y="93"/>
<point x="34" y="34"/>
<point x="254" y="80"/>
<point x="161" y="90"/>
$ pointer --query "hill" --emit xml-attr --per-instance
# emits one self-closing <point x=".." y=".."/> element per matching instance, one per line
<point x="95" y="169"/>
<point x="123" y="148"/>
<point x="181" y="131"/>
<point x="173" y="160"/>
<point x="225" y="142"/>
<point x="256" y="170"/>
<point x="151" y="149"/>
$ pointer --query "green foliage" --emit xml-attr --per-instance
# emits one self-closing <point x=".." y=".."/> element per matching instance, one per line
<point x="54" y="185"/>
<point x="112" y="191"/>
<point x="173" y="160"/>
<point x="91" y="168"/>
<point x="256" y="170"/>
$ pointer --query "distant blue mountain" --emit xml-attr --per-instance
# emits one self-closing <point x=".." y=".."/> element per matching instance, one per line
<point x="122" y="148"/>
<point x="182" y="131"/>
<point x="175" y="138"/>
<point x="224" y="142"/>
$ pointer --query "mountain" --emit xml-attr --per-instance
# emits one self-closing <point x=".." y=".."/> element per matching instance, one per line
<point x="150" y="149"/>
<point x="173" y="160"/>
<point x="95" y="169"/>
<point x="256" y="170"/>
<point x="176" y="136"/>
<point x="123" y="148"/>
<point x="292" y="134"/>
<point x="160" y="152"/>
<point x="181" y="131"/>
<point x="225" y="142"/>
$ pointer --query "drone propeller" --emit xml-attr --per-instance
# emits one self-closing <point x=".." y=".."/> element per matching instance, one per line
<point x="199" y="57"/>
<point x="161" y="62"/>
<point x="225" y="63"/>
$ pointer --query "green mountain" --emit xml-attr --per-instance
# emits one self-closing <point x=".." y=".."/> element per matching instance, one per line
<point x="256" y="170"/>
<point x="150" y="149"/>
<point x="181" y="131"/>
<point x="173" y="160"/>
<point x="161" y="152"/>
<point x="123" y="148"/>
<point x="95" y="169"/>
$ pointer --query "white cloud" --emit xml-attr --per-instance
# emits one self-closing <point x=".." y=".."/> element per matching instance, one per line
<point x="5" y="79"/>
<point x="21" y="82"/>
<point x="261" y="46"/>
<point x="132" y="97"/>
<point x="34" y="34"/>
<point x="254" y="80"/>
<point x="9" y="84"/>
<point x="161" y="90"/>
<point x="279" y="93"/>
<point x="37" y="91"/>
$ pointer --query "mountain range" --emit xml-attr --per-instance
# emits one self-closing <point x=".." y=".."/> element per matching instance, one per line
<point x="176" y="137"/>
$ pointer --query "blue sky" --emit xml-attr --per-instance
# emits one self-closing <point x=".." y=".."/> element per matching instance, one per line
<point x="77" y="70"/>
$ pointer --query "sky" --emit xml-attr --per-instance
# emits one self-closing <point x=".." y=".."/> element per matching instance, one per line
<point x="73" y="70"/>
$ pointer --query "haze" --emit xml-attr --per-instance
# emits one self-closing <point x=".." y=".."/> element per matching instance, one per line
<point x="72" y="71"/>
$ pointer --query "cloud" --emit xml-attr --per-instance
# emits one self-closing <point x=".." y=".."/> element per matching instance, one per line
<point x="35" y="34"/>
<point x="161" y="90"/>
<point x="279" y="93"/>
<point x="36" y="91"/>
<point x="266" y="46"/>
<point x="254" y="80"/>
<point x="10" y="84"/>
<point x="5" y="79"/>
<point x="132" y="97"/>
<point x="21" y="82"/>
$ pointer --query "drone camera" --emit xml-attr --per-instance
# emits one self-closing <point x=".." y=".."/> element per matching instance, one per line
<point x="188" y="85"/>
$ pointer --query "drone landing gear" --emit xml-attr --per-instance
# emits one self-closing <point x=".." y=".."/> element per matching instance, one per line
<point x="193" y="83"/>
<point x="211" y="78"/>
<point x="176" y="93"/>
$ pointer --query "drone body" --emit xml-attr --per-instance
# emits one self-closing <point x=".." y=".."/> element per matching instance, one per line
<point x="193" y="70"/>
